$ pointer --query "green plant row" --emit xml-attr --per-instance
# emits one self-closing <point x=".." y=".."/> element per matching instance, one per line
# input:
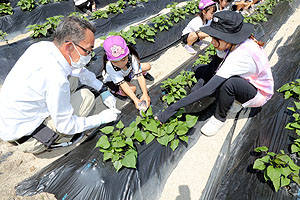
<point x="118" y="143"/>
<point x="142" y="31"/>
<point x="3" y="36"/>
<point x="280" y="169"/>
<point x="210" y="51"/>
<point x="175" y="89"/>
<point x="160" y="23"/>
<point x="289" y="90"/>
<point x="262" y="11"/>
<point x="5" y="9"/>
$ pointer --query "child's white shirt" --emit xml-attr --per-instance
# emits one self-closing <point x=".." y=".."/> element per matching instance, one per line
<point x="194" y="25"/>
<point x="116" y="75"/>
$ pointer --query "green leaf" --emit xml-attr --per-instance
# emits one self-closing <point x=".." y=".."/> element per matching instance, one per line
<point x="138" y="120"/>
<point x="295" y="148"/>
<point x="120" y="125"/>
<point x="129" y="142"/>
<point x="271" y="154"/>
<point x="258" y="164"/>
<point x="276" y="184"/>
<point x="149" y="138"/>
<point x="107" y="129"/>
<point x="128" y="131"/>
<point x="296" y="90"/>
<point x="129" y="161"/>
<point x="261" y="149"/>
<point x="174" y="144"/>
<point x="296" y="179"/>
<point x="181" y="130"/>
<point x="273" y="173"/>
<point x="149" y="111"/>
<point x="170" y="127"/>
<point x="151" y="126"/>
<point x="140" y="135"/>
<point x="184" y="138"/>
<point x="293" y="166"/>
<point x="265" y="159"/>
<point x="103" y="142"/>
<point x="297" y="104"/>
<point x="117" y="165"/>
<point x="286" y="171"/>
<point x="285" y="181"/>
<point x="191" y="120"/>
<point x="115" y="157"/>
<point x="164" y="140"/>
<point x="161" y="132"/>
<point x="171" y="137"/>
<point x="107" y="155"/>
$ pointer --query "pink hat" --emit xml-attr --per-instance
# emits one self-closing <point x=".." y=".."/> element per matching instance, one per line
<point x="205" y="3"/>
<point x="115" y="48"/>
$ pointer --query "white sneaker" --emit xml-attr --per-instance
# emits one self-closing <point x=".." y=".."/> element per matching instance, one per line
<point x="190" y="49"/>
<point x="212" y="126"/>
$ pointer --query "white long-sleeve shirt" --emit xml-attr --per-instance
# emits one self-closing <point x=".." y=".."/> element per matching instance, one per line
<point x="38" y="87"/>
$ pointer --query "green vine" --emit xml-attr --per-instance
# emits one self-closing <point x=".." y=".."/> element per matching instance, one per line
<point x="118" y="143"/>
<point x="210" y="51"/>
<point x="280" y="169"/>
<point x="27" y="5"/>
<point x="3" y="36"/>
<point x="175" y="89"/>
<point x="45" y="29"/>
<point x="162" y="22"/>
<point x="5" y="9"/>
<point x="262" y="11"/>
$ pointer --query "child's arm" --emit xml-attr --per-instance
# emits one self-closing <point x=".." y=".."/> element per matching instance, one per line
<point x="127" y="90"/>
<point x="143" y="86"/>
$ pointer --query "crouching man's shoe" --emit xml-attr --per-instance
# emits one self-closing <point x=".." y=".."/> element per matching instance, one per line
<point x="212" y="126"/>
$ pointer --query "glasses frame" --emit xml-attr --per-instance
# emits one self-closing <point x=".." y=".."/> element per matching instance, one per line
<point x="85" y="50"/>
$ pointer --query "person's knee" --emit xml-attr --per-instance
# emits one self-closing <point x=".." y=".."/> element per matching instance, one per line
<point x="146" y="67"/>
<point x="87" y="95"/>
<point x="228" y="85"/>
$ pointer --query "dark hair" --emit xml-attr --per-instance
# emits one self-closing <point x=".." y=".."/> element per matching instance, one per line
<point x="201" y="15"/>
<point x="132" y="51"/>
<point x="72" y="29"/>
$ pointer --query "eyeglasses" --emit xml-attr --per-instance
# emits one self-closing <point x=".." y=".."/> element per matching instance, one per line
<point x="86" y="51"/>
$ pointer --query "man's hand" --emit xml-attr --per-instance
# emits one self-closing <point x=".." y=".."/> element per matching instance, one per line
<point x="108" y="99"/>
<point x="108" y="115"/>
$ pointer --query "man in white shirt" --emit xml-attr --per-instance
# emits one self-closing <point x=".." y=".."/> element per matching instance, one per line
<point x="36" y="96"/>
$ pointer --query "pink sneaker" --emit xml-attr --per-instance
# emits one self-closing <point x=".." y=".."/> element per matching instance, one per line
<point x="190" y="49"/>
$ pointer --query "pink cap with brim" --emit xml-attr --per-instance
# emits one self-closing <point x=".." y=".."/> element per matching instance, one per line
<point x="205" y="3"/>
<point x="115" y="48"/>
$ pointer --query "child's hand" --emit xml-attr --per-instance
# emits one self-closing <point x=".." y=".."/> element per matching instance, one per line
<point x="146" y="98"/>
<point x="136" y="103"/>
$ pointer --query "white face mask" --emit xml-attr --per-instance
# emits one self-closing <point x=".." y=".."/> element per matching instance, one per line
<point x="83" y="60"/>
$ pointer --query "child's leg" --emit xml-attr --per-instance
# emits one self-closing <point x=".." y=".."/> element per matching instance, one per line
<point x="145" y="68"/>
<point x="131" y="86"/>
<point x="193" y="37"/>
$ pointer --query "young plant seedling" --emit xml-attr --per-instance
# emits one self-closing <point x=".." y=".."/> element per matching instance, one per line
<point x="280" y="169"/>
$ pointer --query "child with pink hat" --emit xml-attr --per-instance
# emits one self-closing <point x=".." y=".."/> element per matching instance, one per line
<point x="191" y="33"/>
<point x="121" y="64"/>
